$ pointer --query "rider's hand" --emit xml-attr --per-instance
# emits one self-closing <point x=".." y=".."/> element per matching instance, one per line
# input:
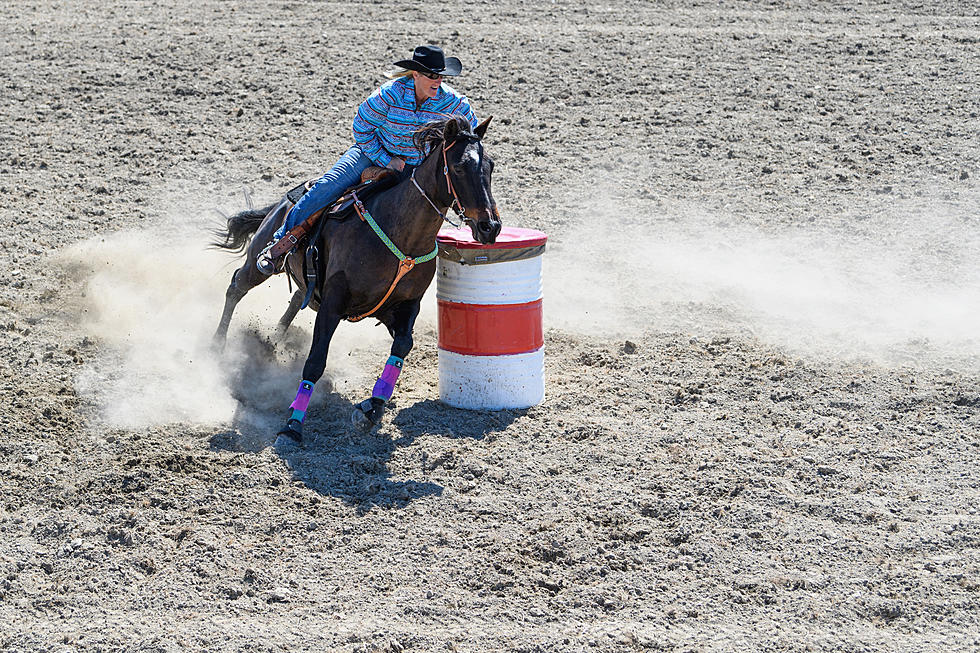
<point x="396" y="164"/>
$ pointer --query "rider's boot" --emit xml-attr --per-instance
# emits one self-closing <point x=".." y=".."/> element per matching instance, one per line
<point x="269" y="262"/>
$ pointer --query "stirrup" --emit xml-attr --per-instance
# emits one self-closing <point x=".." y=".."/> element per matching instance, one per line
<point x="265" y="263"/>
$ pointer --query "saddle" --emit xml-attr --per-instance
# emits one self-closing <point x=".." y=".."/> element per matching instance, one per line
<point x="373" y="181"/>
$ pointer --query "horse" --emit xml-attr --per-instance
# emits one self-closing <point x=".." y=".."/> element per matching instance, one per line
<point x="355" y="268"/>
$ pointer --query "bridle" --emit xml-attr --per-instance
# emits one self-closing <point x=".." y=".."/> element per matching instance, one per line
<point x="407" y="263"/>
<point x="456" y="206"/>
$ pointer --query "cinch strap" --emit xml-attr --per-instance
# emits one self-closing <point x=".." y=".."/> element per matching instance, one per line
<point x="385" y="385"/>
<point x="302" y="400"/>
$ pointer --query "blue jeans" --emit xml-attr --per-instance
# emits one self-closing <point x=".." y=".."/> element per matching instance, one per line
<point x="344" y="174"/>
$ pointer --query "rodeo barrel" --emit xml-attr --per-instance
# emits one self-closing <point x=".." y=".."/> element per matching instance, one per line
<point x="491" y="344"/>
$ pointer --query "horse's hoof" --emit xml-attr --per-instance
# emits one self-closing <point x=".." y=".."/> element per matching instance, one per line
<point x="367" y="414"/>
<point x="284" y="444"/>
<point x="217" y="346"/>
<point x="360" y="420"/>
<point x="289" y="436"/>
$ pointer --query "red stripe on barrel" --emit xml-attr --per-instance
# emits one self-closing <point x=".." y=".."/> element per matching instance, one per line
<point x="490" y="329"/>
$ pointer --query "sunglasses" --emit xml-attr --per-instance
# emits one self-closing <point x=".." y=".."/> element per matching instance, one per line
<point x="432" y="76"/>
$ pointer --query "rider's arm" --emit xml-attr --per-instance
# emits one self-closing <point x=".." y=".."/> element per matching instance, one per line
<point x="372" y="116"/>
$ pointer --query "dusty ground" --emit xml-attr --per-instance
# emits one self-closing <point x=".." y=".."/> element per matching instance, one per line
<point x="762" y="428"/>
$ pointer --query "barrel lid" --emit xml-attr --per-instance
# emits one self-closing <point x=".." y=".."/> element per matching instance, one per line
<point x="509" y="238"/>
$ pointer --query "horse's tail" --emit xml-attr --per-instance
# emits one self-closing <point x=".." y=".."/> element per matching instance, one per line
<point x="240" y="228"/>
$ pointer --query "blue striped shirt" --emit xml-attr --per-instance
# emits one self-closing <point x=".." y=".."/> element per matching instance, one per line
<point x="386" y="121"/>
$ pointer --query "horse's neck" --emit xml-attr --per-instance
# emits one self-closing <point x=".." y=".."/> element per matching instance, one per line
<point x="406" y="216"/>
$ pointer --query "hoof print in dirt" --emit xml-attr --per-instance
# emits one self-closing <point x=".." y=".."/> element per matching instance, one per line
<point x="367" y="414"/>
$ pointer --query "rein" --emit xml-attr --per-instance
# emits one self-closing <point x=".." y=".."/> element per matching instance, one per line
<point x="444" y="216"/>
<point x="407" y="263"/>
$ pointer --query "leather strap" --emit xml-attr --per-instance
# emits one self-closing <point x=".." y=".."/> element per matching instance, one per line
<point x="293" y="236"/>
<point x="404" y="267"/>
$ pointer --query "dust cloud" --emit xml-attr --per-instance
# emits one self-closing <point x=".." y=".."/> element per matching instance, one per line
<point x="152" y="298"/>
<point x="904" y="289"/>
<point x="899" y="288"/>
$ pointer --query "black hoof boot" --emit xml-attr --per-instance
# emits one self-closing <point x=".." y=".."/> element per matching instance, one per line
<point x="367" y="414"/>
<point x="290" y="435"/>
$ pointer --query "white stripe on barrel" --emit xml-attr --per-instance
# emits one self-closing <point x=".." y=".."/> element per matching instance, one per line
<point x="491" y="343"/>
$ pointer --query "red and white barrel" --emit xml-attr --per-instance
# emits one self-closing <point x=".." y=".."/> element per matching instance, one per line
<point x="491" y="341"/>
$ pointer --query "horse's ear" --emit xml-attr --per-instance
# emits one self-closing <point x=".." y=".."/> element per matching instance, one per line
<point x="451" y="130"/>
<point x="481" y="129"/>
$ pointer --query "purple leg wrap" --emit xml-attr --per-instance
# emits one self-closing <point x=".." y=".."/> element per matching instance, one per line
<point x="302" y="400"/>
<point x="386" y="382"/>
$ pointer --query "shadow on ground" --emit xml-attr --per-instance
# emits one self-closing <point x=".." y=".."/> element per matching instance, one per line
<point x="431" y="417"/>
<point x="340" y="461"/>
<point x="337" y="459"/>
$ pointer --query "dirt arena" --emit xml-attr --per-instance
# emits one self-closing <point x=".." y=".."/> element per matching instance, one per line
<point x="762" y="308"/>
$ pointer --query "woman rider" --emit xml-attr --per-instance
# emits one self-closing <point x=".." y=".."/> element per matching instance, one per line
<point x="383" y="129"/>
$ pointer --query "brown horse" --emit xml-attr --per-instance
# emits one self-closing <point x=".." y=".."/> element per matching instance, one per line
<point x="355" y="268"/>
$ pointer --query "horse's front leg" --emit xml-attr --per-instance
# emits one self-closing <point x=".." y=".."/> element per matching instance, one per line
<point x="368" y="413"/>
<point x="327" y="319"/>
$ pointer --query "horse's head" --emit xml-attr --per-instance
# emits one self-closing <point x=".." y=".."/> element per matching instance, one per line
<point x="467" y="169"/>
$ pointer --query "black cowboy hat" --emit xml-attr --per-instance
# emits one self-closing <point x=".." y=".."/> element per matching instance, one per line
<point x="430" y="59"/>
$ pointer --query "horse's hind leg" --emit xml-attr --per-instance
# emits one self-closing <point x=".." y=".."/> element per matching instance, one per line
<point x="291" y="311"/>
<point x="367" y="414"/>
<point x="244" y="279"/>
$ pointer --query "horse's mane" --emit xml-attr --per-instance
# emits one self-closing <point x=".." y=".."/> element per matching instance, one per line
<point x="431" y="134"/>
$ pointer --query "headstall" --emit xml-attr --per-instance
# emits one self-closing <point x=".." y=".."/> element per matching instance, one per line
<point x="456" y="206"/>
